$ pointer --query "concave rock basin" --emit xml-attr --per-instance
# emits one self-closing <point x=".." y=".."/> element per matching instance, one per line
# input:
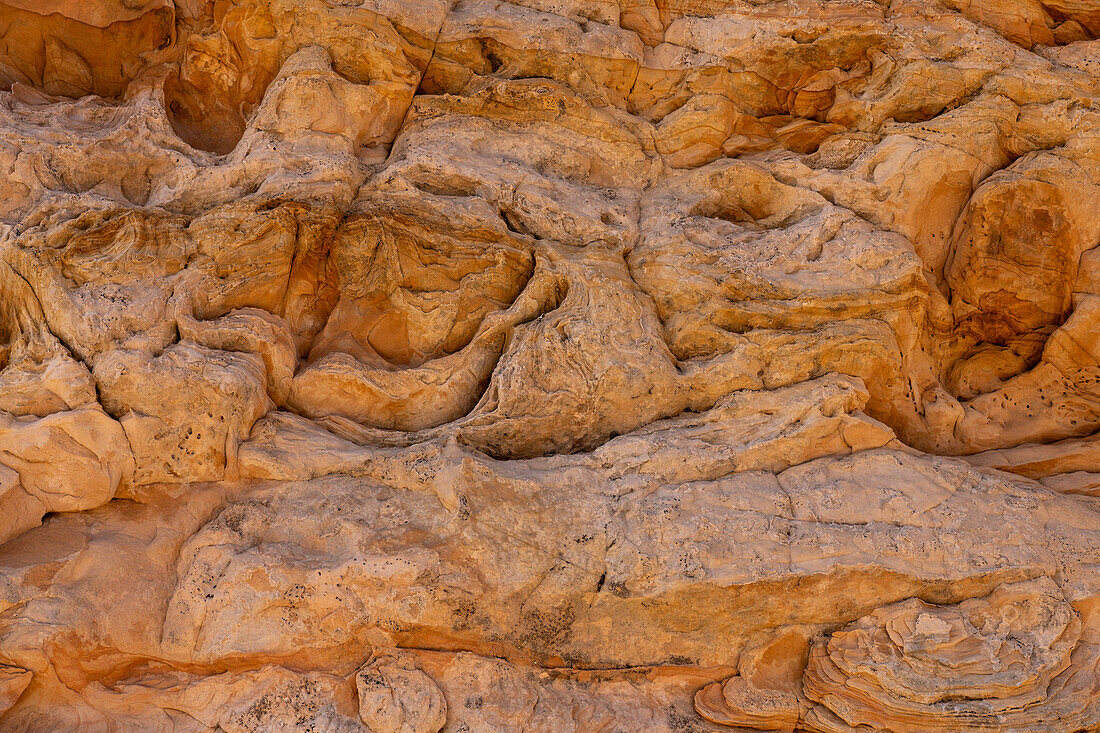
<point x="542" y="365"/>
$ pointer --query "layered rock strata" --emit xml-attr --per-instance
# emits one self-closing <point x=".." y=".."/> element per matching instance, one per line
<point x="541" y="365"/>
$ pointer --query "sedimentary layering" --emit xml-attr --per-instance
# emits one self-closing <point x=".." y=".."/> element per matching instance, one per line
<point x="546" y="365"/>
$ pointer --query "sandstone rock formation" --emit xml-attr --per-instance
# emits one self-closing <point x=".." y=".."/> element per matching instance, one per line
<point x="543" y="365"/>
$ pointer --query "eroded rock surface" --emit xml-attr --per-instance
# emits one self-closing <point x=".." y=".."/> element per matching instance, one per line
<point x="542" y="365"/>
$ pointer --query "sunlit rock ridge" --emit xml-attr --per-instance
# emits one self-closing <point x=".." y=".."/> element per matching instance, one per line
<point x="604" y="366"/>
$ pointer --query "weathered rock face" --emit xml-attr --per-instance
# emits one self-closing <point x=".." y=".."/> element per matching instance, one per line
<point x="540" y="365"/>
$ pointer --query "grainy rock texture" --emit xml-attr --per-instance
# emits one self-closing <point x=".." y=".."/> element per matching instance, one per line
<point x="542" y="365"/>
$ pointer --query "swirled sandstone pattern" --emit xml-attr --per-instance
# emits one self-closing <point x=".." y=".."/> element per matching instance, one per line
<point x="542" y="365"/>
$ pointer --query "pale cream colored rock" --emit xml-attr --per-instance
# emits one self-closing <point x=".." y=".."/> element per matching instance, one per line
<point x="1000" y="661"/>
<point x="1074" y="482"/>
<point x="1042" y="460"/>
<point x="311" y="103"/>
<point x="270" y="698"/>
<point x="631" y="585"/>
<point x="1082" y="54"/>
<point x="66" y="461"/>
<point x="554" y="165"/>
<point x="396" y="695"/>
<point x="807" y="421"/>
<point x="488" y="694"/>
<point x="765" y="695"/>
<point x="482" y="37"/>
<point x="250" y="330"/>
<point x="738" y="703"/>
<point x="38" y="376"/>
<point x="724" y="542"/>
<point x="185" y="410"/>
<point x="545" y="365"/>
<point x="105" y="277"/>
